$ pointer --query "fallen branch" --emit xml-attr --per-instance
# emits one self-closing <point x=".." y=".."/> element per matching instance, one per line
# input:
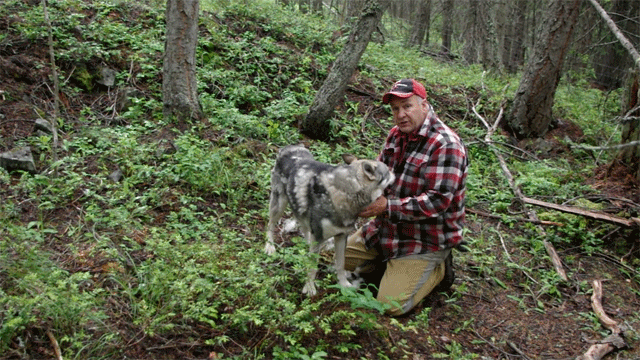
<point x="610" y="147"/>
<point x="54" y="343"/>
<point x="519" y="219"/>
<point x="586" y="213"/>
<point x="611" y="342"/>
<point x="551" y="251"/>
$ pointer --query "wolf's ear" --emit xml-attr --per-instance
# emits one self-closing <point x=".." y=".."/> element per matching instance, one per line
<point x="369" y="170"/>
<point x="348" y="158"/>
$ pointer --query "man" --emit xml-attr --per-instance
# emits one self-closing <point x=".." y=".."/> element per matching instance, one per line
<point x="419" y="218"/>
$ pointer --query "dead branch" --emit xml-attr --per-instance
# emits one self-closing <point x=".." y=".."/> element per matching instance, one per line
<point x="518" y="219"/>
<point x="54" y="343"/>
<point x="551" y="251"/>
<point x="586" y="213"/>
<point x="610" y="147"/>
<point x="610" y="343"/>
<point x="596" y="303"/>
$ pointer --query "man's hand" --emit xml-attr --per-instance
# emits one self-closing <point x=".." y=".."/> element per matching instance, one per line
<point x="378" y="207"/>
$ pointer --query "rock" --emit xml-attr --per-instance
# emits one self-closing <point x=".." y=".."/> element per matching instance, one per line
<point x="20" y="159"/>
<point x="116" y="176"/>
<point x="44" y="125"/>
<point x="107" y="77"/>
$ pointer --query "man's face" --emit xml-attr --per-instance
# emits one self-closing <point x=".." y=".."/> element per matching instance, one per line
<point x="409" y="113"/>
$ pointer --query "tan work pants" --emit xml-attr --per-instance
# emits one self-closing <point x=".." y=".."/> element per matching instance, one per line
<point x="406" y="281"/>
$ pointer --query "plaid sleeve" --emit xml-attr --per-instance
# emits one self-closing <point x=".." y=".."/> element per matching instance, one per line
<point x="435" y="176"/>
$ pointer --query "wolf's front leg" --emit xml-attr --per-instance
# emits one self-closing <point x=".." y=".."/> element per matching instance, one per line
<point x="309" y="288"/>
<point x="340" y="247"/>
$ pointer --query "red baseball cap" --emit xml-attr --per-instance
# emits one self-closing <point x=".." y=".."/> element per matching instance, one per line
<point x="404" y="89"/>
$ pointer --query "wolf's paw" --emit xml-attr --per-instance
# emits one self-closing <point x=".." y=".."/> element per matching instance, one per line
<point x="269" y="248"/>
<point x="342" y="279"/>
<point x="346" y="284"/>
<point x="309" y="288"/>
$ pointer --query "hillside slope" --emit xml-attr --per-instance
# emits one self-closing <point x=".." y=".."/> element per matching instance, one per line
<point x="146" y="241"/>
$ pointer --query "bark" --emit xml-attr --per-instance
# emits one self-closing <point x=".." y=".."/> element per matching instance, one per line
<point x="179" y="85"/>
<point x="316" y="124"/>
<point x="530" y="114"/>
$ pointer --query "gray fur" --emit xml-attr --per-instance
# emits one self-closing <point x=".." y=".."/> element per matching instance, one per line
<point x="325" y="199"/>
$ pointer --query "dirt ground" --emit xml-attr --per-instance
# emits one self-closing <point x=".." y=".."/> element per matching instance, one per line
<point x="498" y="319"/>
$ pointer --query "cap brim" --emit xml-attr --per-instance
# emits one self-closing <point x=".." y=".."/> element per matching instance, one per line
<point x="387" y="97"/>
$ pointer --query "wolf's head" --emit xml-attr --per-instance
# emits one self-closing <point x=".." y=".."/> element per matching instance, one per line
<point x="371" y="175"/>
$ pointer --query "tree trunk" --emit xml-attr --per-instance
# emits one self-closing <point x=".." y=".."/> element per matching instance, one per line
<point x="471" y="35"/>
<point x="519" y="30"/>
<point x="316" y="124"/>
<point x="630" y="156"/>
<point x="531" y="111"/>
<point x="447" y="25"/>
<point x="421" y="24"/>
<point x="478" y="42"/>
<point x="179" y="85"/>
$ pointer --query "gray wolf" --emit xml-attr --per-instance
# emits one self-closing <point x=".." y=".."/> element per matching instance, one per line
<point x="324" y="199"/>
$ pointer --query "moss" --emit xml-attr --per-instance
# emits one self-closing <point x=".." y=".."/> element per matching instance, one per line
<point x="84" y="77"/>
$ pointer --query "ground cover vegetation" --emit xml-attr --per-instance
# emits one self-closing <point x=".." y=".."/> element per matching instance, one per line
<point x="166" y="262"/>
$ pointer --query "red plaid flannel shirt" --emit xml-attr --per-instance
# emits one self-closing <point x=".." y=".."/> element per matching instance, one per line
<point x="426" y="202"/>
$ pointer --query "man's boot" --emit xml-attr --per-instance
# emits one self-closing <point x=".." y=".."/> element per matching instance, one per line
<point x="449" y="275"/>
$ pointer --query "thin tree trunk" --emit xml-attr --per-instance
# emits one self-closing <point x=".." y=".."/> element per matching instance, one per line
<point x="630" y="156"/>
<point x="56" y="88"/>
<point x="179" y="85"/>
<point x="472" y="36"/>
<point x="317" y="122"/>
<point x="447" y="26"/>
<point x="421" y="23"/>
<point x="519" y="28"/>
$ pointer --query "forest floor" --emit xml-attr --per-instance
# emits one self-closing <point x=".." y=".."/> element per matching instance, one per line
<point x="480" y="313"/>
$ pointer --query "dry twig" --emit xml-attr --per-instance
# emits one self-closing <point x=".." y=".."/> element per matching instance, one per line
<point x="551" y="251"/>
